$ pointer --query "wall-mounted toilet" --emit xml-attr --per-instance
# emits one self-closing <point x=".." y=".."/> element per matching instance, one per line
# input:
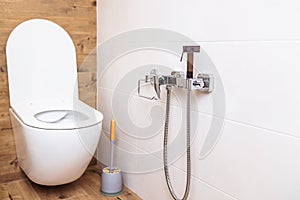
<point x="55" y="133"/>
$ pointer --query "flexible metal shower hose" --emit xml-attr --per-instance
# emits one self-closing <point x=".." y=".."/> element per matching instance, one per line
<point x="188" y="148"/>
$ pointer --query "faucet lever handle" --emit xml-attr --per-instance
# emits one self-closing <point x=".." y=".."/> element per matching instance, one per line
<point x="156" y="85"/>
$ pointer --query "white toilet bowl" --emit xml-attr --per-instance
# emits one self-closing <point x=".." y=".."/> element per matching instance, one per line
<point x="55" y="133"/>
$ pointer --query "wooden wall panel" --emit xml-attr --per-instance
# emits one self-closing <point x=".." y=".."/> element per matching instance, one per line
<point x="78" y="18"/>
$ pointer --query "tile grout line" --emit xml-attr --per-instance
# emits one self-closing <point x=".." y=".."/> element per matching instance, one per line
<point x="209" y="185"/>
<point x="271" y="131"/>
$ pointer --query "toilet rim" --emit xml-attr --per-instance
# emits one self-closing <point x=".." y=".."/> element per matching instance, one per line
<point x="54" y="116"/>
<point x="83" y="116"/>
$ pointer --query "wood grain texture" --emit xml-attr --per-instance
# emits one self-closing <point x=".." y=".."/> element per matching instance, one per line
<point x="8" y="165"/>
<point x="87" y="187"/>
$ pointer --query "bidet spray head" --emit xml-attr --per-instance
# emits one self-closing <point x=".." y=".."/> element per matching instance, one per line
<point x="190" y="50"/>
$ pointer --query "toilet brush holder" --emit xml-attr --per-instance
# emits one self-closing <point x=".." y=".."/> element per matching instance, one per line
<point x="111" y="179"/>
<point x="111" y="182"/>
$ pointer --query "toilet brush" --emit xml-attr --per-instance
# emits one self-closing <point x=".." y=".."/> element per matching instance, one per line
<point x="111" y="179"/>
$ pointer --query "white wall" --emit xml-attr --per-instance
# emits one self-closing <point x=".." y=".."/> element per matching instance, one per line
<point x="255" y="48"/>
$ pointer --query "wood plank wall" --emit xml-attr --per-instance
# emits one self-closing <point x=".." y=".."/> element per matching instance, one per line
<point x="78" y="18"/>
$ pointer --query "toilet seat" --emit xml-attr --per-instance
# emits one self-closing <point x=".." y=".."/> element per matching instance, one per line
<point x="58" y="116"/>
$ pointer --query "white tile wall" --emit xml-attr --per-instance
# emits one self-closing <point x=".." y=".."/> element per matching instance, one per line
<point x="251" y="163"/>
<point x="255" y="48"/>
<point x="261" y="82"/>
<point x="203" y="20"/>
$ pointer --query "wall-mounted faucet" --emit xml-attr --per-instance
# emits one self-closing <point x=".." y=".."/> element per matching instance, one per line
<point x="203" y="82"/>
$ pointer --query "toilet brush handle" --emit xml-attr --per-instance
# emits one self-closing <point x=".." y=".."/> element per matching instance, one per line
<point x="111" y="169"/>
<point x="112" y="130"/>
<point x="112" y="139"/>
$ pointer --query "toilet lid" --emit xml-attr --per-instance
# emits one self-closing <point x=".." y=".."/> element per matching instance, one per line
<point x="58" y="116"/>
<point x="41" y="63"/>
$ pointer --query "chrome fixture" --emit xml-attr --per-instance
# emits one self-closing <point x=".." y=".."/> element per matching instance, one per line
<point x="203" y="83"/>
<point x="190" y="50"/>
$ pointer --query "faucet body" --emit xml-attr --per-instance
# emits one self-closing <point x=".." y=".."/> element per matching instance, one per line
<point x="203" y="82"/>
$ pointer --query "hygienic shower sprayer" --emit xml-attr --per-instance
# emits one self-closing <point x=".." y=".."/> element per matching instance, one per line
<point x="190" y="50"/>
<point x="203" y="82"/>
